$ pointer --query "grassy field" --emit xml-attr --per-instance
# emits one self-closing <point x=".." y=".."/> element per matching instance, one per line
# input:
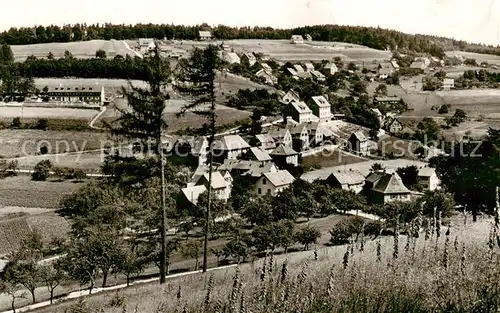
<point x="10" y="112"/>
<point x="491" y="59"/>
<point x="21" y="191"/>
<point x="334" y="158"/>
<point x="284" y="50"/>
<point x="111" y="86"/>
<point x="81" y="49"/>
<point x="420" y="279"/>
<point x="27" y="142"/>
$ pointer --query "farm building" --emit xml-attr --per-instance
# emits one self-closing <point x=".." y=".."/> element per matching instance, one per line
<point x="273" y="183"/>
<point x="250" y="58"/>
<point x="89" y="94"/>
<point x="418" y="65"/>
<point x="386" y="69"/>
<point x="259" y="155"/>
<point x="204" y="35"/>
<point x="309" y="37"/>
<point x="298" y="68"/>
<point x="299" y="112"/>
<point x="230" y="57"/>
<point x="297" y="39"/>
<point x="266" y="67"/>
<point x="321" y="108"/>
<point x="448" y="83"/>
<point x="386" y="100"/>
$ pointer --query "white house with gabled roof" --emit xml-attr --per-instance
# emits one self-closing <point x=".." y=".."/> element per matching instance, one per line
<point x="205" y="35"/>
<point x="297" y="39"/>
<point x="273" y="183"/>
<point x="299" y="111"/>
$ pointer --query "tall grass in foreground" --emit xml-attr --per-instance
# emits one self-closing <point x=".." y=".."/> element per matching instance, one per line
<point x="447" y="270"/>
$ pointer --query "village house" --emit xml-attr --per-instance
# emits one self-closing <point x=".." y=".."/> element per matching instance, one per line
<point x="290" y="96"/>
<point x="297" y="39"/>
<point x="309" y="66"/>
<point x="281" y="136"/>
<point x="229" y="147"/>
<point x="395" y="64"/>
<point x="318" y="133"/>
<point x="204" y="35"/>
<point x="382" y="188"/>
<point x="292" y="72"/>
<point x="347" y="180"/>
<point x="309" y="37"/>
<point x="428" y="179"/>
<point x="230" y="57"/>
<point x="321" y="108"/>
<point x="385" y="70"/>
<point x="249" y="57"/>
<point x="193" y="148"/>
<point x="318" y="76"/>
<point x="266" y="142"/>
<point x="358" y="143"/>
<point x="273" y="183"/>
<point x="298" y="111"/>
<point x="268" y="77"/>
<point x="448" y="83"/>
<point x="284" y="155"/>
<point x="393" y="126"/>
<point x="386" y="100"/>
<point x="85" y="94"/>
<point x="259" y="155"/>
<point x="298" y="68"/>
<point x="220" y="186"/>
<point x="246" y="167"/>
<point x="300" y="136"/>
<point x="331" y="68"/>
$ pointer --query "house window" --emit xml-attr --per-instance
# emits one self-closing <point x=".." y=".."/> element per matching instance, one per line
<point x="264" y="181"/>
<point x="268" y="191"/>
<point x="259" y="191"/>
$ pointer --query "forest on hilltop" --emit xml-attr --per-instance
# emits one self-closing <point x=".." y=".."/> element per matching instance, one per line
<point x="372" y="37"/>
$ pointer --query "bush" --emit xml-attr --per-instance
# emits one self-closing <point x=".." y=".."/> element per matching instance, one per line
<point x="16" y="123"/>
<point x="443" y="109"/>
<point x="42" y="124"/>
<point x="42" y="170"/>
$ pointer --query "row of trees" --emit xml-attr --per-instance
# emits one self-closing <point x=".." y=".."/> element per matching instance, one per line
<point x="377" y="38"/>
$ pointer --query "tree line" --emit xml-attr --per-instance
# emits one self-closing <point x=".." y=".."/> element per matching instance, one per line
<point x="372" y="37"/>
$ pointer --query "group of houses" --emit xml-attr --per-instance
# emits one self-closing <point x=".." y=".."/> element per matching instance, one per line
<point x="308" y="71"/>
<point x="378" y="186"/>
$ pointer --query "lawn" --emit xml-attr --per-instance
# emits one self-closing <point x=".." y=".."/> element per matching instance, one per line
<point x="330" y="158"/>
<point x="80" y="49"/>
<point x="10" y="112"/>
<point x="21" y="191"/>
<point x="479" y="57"/>
<point x="89" y="162"/>
<point x="27" y="142"/>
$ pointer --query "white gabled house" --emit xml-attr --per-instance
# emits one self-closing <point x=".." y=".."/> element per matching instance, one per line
<point x="204" y="35"/>
<point x="230" y="57"/>
<point x="321" y="108"/>
<point x="273" y="183"/>
<point x="290" y="96"/>
<point x="249" y="57"/>
<point x="331" y="68"/>
<point x="229" y="147"/>
<point x="309" y="66"/>
<point x="268" y="77"/>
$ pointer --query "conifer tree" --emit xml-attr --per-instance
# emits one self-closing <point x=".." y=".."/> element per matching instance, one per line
<point x="197" y="78"/>
<point x="143" y="120"/>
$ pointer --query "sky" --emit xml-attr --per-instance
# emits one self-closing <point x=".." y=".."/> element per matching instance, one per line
<point x="471" y="20"/>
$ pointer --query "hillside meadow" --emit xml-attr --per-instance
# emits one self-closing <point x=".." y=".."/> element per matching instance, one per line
<point x="454" y="271"/>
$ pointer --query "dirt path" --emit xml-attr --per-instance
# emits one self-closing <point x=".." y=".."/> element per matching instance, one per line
<point x="132" y="50"/>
